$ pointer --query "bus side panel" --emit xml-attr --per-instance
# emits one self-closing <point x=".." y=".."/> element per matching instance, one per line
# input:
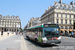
<point x="39" y="39"/>
<point x="27" y="34"/>
<point x="40" y="35"/>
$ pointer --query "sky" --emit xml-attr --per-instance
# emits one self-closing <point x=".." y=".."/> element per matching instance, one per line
<point x="26" y="9"/>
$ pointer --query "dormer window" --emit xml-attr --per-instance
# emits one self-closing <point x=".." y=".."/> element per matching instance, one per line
<point x="60" y="5"/>
<point x="0" y="17"/>
<point x="74" y="12"/>
<point x="57" y="7"/>
<point x="64" y="5"/>
<point x="73" y="8"/>
<point x="65" y="11"/>
<point x="70" y="7"/>
<point x="6" y="16"/>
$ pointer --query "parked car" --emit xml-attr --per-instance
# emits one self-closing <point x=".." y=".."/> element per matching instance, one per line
<point x="73" y="35"/>
<point x="63" y="34"/>
<point x="69" y="35"/>
<point x="66" y="34"/>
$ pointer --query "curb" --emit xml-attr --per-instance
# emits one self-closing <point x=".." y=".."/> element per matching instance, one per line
<point x="23" y="44"/>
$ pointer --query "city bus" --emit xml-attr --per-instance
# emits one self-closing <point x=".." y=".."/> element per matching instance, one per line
<point x="44" y="33"/>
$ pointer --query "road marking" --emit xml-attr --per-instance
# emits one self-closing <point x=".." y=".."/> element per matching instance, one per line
<point x="4" y="48"/>
<point x="65" y="47"/>
<point x="34" y="45"/>
<point x="23" y="44"/>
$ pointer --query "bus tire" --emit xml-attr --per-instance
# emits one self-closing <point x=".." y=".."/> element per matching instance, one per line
<point x="42" y="44"/>
<point x="36" y="40"/>
<point x="27" y="37"/>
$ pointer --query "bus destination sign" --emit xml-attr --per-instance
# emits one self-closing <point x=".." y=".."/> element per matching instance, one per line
<point x="50" y="25"/>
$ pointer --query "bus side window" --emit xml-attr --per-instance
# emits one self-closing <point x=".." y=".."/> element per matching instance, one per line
<point x="33" y="32"/>
<point x="39" y="32"/>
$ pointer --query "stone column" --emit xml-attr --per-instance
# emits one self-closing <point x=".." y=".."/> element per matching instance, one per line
<point x="68" y="22"/>
<point x="72" y="21"/>
<point x="63" y="21"/>
<point x="55" y="21"/>
<point x="64" y="29"/>
<point x="72" y="28"/>
<point x="59" y="21"/>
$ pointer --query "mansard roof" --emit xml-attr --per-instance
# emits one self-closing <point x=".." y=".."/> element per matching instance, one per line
<point x="60" y="6"/>
<point x="9" y="17"/>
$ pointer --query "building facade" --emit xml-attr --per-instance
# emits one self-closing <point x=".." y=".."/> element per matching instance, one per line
<point x="33" y="21"/>
<point x="10" y="23"/>
<point x="62" y="14"/>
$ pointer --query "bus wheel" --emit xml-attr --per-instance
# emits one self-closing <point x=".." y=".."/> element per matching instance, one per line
<point x="36" y="40"/>
<point x="27" y="37"/>
<point x="42" y="44"/>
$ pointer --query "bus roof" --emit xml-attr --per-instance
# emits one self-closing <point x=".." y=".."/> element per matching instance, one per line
<point x="37" y="26"/>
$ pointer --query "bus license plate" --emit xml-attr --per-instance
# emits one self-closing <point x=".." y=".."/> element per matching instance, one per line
<point x="52" y="43"/>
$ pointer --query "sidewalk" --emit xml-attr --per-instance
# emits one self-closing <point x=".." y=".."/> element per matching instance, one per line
<point x="5" y="35"/>
<point x="12" y="42"/>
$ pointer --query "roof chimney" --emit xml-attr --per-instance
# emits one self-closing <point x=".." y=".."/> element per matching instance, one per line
<point x="45" y="10"/>
<point x="71" y="3"/>
<point x="74" y="3"/>
<point x="0" y="15"/>
<point x="60" y="1"/>
<point x="48" y="8"/>
<point x="55" y="3"/>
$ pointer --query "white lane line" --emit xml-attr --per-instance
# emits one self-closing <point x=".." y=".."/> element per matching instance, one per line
<point x="64" y="47"/>
<point x="23" y="44"/>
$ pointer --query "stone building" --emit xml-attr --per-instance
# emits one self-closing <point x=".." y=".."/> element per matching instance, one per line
<point x="11" y="23"/>
<point x="62" y="14"/>
<point x="33" y="21"/>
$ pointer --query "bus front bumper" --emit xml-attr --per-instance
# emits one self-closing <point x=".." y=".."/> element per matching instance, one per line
<point x="52" y="42"/>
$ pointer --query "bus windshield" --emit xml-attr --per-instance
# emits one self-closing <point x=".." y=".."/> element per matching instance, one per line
<point x="51" y="31"/>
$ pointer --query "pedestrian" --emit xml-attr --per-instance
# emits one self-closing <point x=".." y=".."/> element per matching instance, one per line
<point x="72" y="33"/>
<point x="16" y="32"/>
<point x="22" y="33"/>
<point x="8" y="33"/>
<point x="1" y="33"/>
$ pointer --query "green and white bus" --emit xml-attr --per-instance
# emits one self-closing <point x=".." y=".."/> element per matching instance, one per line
<point x="44" y="33"/>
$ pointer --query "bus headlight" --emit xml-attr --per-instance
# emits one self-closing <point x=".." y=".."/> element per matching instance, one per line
<point x="59" y="38"/>
<point x="44" y="38"/>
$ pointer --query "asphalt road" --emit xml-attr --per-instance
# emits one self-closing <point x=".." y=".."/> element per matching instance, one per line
<point x="67" y="43"/>
<point x="11" y="43"/>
